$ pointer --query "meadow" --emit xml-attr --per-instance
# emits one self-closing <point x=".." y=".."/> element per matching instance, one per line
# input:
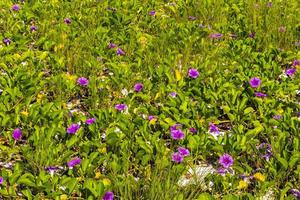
<point x="150" y="99"/>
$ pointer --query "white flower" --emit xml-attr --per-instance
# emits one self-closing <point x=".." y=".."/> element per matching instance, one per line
<point x="124" y="92"/>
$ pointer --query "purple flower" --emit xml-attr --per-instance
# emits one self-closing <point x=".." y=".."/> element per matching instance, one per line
<point x="1" y="180"/>
<point x="67" y="21"/>
<point x="6" y="41"/>
<point x="193" y="130"/>
<point x="266" y="152"/>
<point x="282" y="29"/>
<point x="193" y="73"/>
<point x="120" y="107"/>
<point x="175" y="127"/>
<point x="73" y="128"/>
<point x="183" y="151"/>
<point x="53" y="169"/>
<point x="90" y="121"/>
<point x="252" y="35"/>
<point x="150" y="117"/>
<point x="259" y="94"/>
<point x="108" y="196"/>
<point x="213" y="128"/>
<point x="173" y="94"/>
<point x="15" y="7"/>
<point x="296" y="62"/>
<point x="33" y="28"/>
<point x="112" y="45"/>
<point x="269" y="4"/>
<point x="120" y="52"/>
<point x="192" y="18"/>
<point x="215" y="35"/>
<point x="138" y="87"/>
<point x="290" y="71"/>
<point x="73" y="162"/>
<point x="177" y="134"/>
<point x="277" y="117"/>
<point x="176" y="157"/>
<point x="226" y="160"/>
<point x="83" y="81"/>
<point x="152" y="12"/>
<point x="255" y="82"/>
<point x="222" y="171"/>
<point x="295" y="192"/>
<point x="17" y="134"/>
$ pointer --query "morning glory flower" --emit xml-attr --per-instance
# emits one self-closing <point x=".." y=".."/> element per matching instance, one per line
<point x="177" y="134"/>
<point x="73" y="128"/>
<point x="15" y="7"/>
<point x="6" y="41"/>
<point x="226" y="160"/>
<point x="90" y="121"/>
<point x="173" y="94"/>
<point x="296" y="62"/>
<point x="138" y="87"/>
<point x="193" y="130"/>
<point x="277" y="117"/>
<point x="175" y="127"/>
<point x="252" y="35"/>
<point x="150" y="117"/>
<point x="213" y="128"/>
<point x="216" y="35"/>
<point x="295" y="192"/>
<point x="176" y="157"/>
<point x="67" y="21"/>
<point x="17" y="134"/>
<point x="192" y="18"/>
<point x="112" y="45"/>
<point x="152" y="12"/>
<point x="83" y="81"/>
<point x="282" y="29"/>
<point x="108" y="196"/>
<point x="120" y="52"/>
<point x="269" y="4"/>
<point x="183" y="151"/>
<point x="193" y="73"/>
<point x="120" y="107"/>
<point x="33" y="28"/>
<point x="255" y="82"/>
<point x="73" y="162"/>
<point x="1" y="180"/>
<point x="290" y="71"/>
<point x="259" y="94"/>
